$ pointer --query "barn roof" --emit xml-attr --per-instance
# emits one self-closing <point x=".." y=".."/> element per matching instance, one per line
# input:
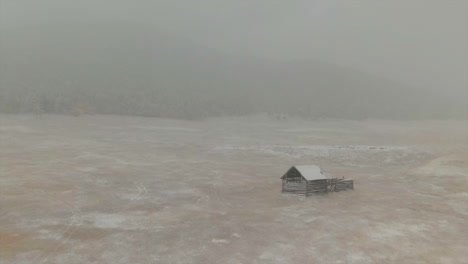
<point x="311" y="172"/>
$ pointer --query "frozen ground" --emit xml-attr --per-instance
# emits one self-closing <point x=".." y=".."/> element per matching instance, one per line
<point x="108" y="189"/>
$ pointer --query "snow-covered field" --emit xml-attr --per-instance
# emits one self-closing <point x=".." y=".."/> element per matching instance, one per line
<point x="110" y="189"/>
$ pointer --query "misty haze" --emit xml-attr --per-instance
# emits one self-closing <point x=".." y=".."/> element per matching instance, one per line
<point x="159" y="131"/>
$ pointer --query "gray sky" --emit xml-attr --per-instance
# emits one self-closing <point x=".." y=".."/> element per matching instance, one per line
<point x="420" y="42"/>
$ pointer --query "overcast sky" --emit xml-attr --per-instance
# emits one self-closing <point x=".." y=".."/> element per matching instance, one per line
<point x="419" y="42"/>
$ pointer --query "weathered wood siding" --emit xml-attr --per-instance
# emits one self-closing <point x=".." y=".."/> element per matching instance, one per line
<point x="317" y="186"/>
<point x="296" y="187"/>
<point x="344" y="184"/>
<point x="308" y="188"/>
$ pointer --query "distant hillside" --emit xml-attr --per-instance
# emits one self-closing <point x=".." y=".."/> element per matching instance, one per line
<point x="134" y="70"/>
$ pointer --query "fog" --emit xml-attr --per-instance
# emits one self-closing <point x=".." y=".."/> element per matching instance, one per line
<point x="172" y="131"/>
<point x="185" y="59"/>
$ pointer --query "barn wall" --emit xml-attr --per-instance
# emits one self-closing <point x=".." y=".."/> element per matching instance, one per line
<point x="294" y="187"/>
<point x="317" y="186"/>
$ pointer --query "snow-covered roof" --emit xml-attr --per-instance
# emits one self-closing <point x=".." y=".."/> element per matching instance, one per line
<point x="311" y="172"/>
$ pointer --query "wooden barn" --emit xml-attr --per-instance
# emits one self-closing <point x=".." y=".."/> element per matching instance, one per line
<point x="310" y="179"/>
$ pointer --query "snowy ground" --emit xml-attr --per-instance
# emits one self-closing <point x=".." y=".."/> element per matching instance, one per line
<point x="108" y="189"/>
